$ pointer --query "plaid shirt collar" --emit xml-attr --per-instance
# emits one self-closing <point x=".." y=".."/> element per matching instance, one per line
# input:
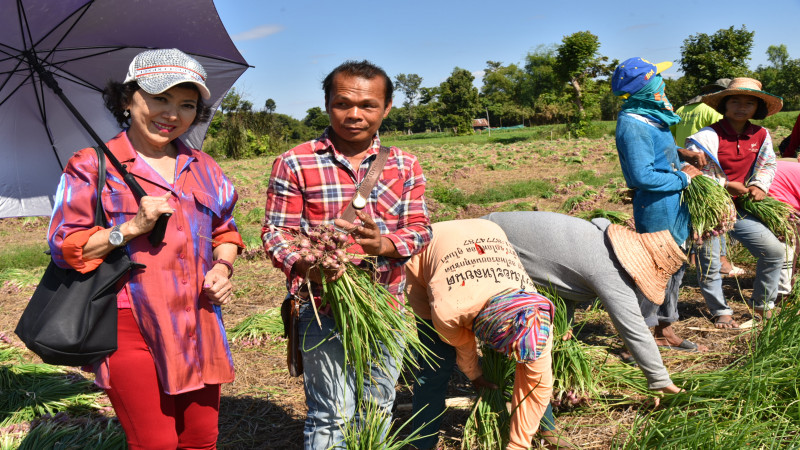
<point x="325" y="143"/>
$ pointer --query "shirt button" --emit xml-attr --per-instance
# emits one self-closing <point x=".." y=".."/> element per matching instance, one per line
<point x="180" y="228"/>
<point x="184" y="281"/>
<point x="188" y="309"/>
<point x="181" y="256"/>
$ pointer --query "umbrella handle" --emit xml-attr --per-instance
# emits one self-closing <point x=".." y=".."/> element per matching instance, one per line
<point x="157" y="234"/>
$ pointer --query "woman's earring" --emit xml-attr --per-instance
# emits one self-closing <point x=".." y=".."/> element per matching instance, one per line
<point x="126" y="113"/>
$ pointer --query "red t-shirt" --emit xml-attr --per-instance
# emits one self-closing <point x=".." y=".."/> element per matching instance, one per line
<point x="738" y="152"/>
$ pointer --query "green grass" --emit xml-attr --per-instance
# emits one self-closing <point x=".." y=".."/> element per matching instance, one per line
<point x="249" y="224"/>
<point x="784" y="119"/>
<point x="576" y="200"/>
<point x="508" y="191"/>
<point x="589" y="177"/>
<point x="536" y="133"/>
<point x="24" y="257"/>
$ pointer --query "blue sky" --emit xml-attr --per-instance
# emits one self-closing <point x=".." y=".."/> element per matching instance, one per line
<point x="294" y="44"/>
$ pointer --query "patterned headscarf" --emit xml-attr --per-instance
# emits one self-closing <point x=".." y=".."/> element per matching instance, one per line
<point x="515" y="323"/>
<point x="651" y="100"/>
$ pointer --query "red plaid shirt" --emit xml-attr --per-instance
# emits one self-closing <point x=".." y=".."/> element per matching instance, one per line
<point x="313" y="183"/>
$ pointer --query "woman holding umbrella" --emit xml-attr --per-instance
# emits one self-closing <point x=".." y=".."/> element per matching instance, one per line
<point x="164" y="378"/>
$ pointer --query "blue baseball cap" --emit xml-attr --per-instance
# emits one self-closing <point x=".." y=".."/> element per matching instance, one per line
<point x="632" y="74"/>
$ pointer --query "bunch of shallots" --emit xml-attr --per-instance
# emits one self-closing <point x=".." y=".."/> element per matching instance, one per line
<point x="371" y="322"/>
<point x="773" y="213"/>
<point x="711" y="208"/>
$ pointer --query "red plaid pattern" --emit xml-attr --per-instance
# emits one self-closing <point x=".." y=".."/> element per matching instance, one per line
<point x="312" y="184"/>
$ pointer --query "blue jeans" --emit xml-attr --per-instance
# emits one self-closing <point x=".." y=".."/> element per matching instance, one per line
<point x="430" y="389"/>
<point x="762" y="244"/>
<point x="330" y="389"/>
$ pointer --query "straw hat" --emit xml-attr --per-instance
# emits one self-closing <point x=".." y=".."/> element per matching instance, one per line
<point x="649" y="258"/>
<point x="710" y="88"/>
<point x="745" y="86"/>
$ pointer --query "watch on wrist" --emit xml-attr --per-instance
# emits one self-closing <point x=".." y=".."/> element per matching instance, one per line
<point x="116" y="238"/>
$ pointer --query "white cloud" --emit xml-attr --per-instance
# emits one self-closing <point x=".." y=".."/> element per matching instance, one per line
<point x="258" y="32"/>
<point x="478" y="74"/>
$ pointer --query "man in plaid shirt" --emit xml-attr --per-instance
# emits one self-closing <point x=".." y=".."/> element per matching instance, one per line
<point x="311" y="185"/>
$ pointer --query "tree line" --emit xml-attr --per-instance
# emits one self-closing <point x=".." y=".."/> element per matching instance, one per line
<point x="567" y="83"/>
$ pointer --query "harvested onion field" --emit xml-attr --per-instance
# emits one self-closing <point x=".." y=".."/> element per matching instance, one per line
<point x="264" y="408"/>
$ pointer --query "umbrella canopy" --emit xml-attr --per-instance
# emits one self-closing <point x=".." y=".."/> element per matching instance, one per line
<point x="84" y="44"/>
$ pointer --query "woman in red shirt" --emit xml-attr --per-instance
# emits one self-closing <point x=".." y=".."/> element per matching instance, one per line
<point x="739" y="155"/>
<point x="164" y="378"/>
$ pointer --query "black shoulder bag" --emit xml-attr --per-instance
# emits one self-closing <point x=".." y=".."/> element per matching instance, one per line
<point x="71" y="319"/>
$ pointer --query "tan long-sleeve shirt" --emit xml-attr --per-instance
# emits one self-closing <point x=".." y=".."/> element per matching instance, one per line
<point x="466" y="263"/>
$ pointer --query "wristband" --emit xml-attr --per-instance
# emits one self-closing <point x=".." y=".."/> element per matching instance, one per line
<point x="224" y="263"/>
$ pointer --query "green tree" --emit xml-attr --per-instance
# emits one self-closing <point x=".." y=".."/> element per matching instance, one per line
<point x="542" y="90"/>
<point x="578" y="63"/>
<point x="577" y="59"/>
<point x="231" y="102"/>
<point x="724" y="54"/>
<point x="502" y="93"/>
<point x="409" y="86"/>
<point x="459" y="101"/>
<point x="270" y="106"/>
<point x="782" y="76"/>
<point x="778" y="55"/>
<point x="316" y="118"/>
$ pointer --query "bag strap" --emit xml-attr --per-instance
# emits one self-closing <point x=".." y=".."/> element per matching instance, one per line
<point x="99" y="213"/>
<point x="375" y="169"/>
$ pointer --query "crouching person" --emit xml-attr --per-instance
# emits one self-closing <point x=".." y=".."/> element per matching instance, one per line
<point x="470" y="283"/>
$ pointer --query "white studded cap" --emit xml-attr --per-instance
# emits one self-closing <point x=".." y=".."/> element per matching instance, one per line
<point x="155" y="71"/>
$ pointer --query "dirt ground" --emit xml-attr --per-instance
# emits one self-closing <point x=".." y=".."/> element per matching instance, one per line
<point x="264" y="408"/>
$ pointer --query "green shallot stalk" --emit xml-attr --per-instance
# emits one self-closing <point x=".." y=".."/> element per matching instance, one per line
<point x="370" y="321"/>
<point x="774" y="214"/>
<point x="489" y="422"/>
<point x="753" y="403"/>
<point x="573" y="378"/>
<point x="711" y="208"/>
<point x="374" y="431"/>
<point x="617" y="217"/>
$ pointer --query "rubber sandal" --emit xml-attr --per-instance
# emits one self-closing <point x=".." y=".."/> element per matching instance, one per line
<point x="629" y="360"/>
<point x="728" y="321"/>
<point x="685" y="346"/>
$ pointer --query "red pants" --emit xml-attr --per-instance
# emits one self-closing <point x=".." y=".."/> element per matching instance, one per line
<point x="152" y="419"/>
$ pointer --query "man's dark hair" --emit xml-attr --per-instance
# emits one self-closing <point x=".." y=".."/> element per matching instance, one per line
<point x="761" y="110"/>
<point x="362" y="69"/>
